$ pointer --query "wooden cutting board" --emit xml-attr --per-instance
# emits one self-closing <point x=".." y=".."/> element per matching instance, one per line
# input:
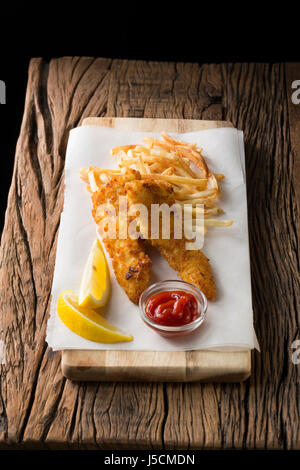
<point x="160" y="366"/>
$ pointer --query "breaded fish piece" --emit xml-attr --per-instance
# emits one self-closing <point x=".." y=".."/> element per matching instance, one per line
<point x="132" y="266"/>
<point x="191" y="265"/>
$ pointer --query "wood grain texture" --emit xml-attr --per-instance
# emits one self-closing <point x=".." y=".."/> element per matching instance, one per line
<point x="161" y="366"/>
<point x="168" y="366"/>
<point x="292" y="74"/>
<point x="38" y="407"/>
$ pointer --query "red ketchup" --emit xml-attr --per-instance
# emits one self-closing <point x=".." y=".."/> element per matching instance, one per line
<point x="172" y="308"/>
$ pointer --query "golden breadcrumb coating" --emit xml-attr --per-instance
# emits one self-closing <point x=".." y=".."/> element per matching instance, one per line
<point x="131" y="264"/>
<point x="191" y="265"/>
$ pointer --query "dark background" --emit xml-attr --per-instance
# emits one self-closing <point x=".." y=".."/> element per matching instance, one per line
<point x="148" y="34"/>
<point x="247" y="35"/>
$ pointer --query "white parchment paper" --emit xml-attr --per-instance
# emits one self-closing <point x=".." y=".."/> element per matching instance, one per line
<point x="229" y="320"/>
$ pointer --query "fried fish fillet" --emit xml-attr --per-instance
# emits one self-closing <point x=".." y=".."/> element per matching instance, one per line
<point x="131" y="264"/>
<point x="191" y="265"/>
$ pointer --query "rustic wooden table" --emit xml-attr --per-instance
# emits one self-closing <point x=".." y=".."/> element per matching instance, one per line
<point x="41" y="409"/>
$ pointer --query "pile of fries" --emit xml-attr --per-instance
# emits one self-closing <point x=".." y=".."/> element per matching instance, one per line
<point x="178" y="163"/>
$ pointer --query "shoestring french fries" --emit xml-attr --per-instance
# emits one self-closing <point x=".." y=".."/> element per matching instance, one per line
<point x="176" y="162"/>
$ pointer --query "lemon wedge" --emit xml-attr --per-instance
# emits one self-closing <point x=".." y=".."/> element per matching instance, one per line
<point x="86" y="322"/>
<point x="94" y="288"/>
